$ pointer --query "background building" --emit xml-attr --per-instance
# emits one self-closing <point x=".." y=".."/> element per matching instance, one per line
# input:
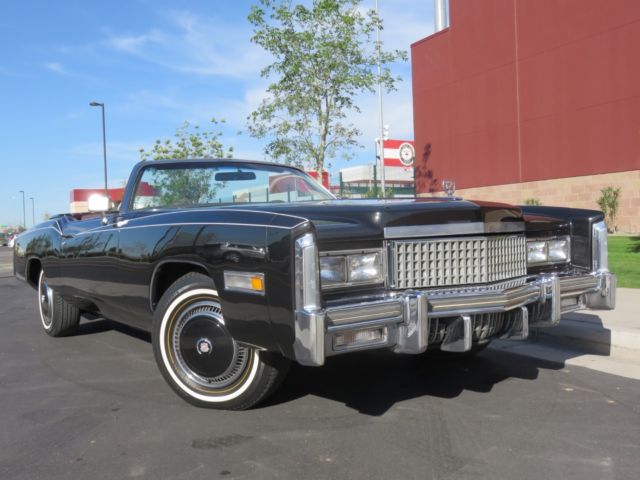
<point x="79" y="201"/>
<point x="365" y="180"/>
<point x="520" y="99"/>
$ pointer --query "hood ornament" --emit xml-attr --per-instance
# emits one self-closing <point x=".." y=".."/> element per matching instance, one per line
<point x="449" y="187"/>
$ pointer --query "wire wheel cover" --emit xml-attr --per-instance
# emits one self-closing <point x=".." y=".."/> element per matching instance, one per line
<point x="205" y="353"/>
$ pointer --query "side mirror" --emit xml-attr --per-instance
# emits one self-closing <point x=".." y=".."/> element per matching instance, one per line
<point x="98" y="203"/>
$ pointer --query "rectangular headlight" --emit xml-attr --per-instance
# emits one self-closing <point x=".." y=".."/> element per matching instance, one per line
<point x="558" y="250"/>
<point x="553" y="250"/>
<point x="536" y="252"/>
<point x="332" y="270"/>
<point x="351" y="268"/>
<point x="365" y="268"/>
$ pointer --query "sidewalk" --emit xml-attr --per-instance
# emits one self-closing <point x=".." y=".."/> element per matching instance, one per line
<point x="604" y="332"/>
<point x="603" y="340"/>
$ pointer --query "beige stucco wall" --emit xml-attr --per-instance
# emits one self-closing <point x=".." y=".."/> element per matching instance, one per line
<point x="578" y="192"/>
<point x="79" y="207"/>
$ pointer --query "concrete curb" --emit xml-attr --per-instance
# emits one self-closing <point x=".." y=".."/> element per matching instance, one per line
<point x="601" y="332"/>
<point x="591" y="338"/>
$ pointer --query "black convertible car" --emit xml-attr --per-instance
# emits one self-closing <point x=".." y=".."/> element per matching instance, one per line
<point x="237" y="268"/>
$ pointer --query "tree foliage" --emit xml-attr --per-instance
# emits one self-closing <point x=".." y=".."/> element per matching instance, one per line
<point x="186" y="186"/>
<point x="189" y="142"/>
<point x="323" y="56"/>
<point x="609" y="203"/>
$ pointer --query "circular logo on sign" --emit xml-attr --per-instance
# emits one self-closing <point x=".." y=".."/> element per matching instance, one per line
<point x="407" y="154"/>
<point x="204" y="346"/>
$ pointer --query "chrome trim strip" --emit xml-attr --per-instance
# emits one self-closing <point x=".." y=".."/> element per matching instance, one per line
<point x="485" y="302"/>
<point x="577" y="285"/>
<point x="107" y="228"/>
<point x="441" y="230"/>
<point x="216" y="209"/>
<point x="365" y="311"/>
<point x="600" y="253"/>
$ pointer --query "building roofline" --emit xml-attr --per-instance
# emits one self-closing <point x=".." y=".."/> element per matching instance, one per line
<point x="429" y="37"/>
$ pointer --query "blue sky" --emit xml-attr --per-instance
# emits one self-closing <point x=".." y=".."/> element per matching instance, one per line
<point x="155" y="64"/>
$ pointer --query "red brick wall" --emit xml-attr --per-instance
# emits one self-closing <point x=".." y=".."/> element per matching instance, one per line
<point x="525" y="90"/>
<point x="578" y="192"/>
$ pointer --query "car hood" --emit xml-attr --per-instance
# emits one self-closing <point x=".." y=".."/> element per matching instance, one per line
<point x="362" y="223"/>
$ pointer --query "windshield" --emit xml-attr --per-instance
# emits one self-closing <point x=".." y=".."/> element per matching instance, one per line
<point x="175" y="185"/>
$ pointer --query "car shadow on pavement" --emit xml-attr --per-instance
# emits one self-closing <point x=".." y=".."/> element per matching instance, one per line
<point x="91" y="325"/>
<point x="372" y="382"/>
<point x="579" y="333"/>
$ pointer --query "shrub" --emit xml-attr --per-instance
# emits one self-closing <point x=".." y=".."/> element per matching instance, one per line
<point x="609" y="202"/>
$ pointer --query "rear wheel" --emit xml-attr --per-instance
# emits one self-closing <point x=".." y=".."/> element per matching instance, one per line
<point x="200" y="359"/>
<point x="59" y="318"/>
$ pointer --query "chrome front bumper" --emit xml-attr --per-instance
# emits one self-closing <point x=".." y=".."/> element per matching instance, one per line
<point x="401" y="320"/>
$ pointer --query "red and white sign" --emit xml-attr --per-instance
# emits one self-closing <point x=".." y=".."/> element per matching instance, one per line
<point x="325" y="177"/>
<point x="399" y="153"/>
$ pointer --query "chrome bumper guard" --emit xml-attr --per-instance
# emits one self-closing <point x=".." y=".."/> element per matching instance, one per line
<point x="400" y="321"/>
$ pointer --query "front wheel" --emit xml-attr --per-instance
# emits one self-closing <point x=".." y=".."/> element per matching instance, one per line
<point x="198" y="356"/>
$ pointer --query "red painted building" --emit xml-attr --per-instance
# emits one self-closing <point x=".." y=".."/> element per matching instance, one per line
<point x="540" y="99"/>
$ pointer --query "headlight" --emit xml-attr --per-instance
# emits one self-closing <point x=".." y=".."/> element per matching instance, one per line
<point x="558" y="250"/>
<point x="554" y="250"/>
<point x="351" y="269"/>
<point x="332" y="271"/>
<point x="365" y="268"/>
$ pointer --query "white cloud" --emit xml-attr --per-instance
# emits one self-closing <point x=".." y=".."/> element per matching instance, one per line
<point x="55" y="67"/>
<point x="195" y="45"/>
<point x="135" y="44"/>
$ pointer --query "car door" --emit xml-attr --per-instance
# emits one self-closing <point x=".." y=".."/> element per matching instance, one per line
<point x="87" y="264"/>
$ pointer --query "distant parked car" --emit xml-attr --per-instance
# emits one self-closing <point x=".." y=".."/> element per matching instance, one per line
<point x="4" y="240"/>
<point x="11" y="241"/>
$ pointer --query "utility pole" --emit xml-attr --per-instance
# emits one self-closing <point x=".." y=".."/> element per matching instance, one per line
<point x="104" y="145"/>
<point x="33" y="211"/>
<point x="24" y="214"/>
<point x="381" y="126"/>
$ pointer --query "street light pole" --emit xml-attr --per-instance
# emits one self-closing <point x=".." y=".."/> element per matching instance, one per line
<point x="381" y="150"/>
<point x="104" y="145"/>
<point x="33" y="211"/>
<point x="24" y="215"/>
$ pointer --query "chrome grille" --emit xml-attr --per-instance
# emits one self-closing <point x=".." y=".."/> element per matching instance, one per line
<point x="457" y="261"/>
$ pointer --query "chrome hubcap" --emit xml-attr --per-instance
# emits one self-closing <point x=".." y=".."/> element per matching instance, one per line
<point x="206" y="355"/>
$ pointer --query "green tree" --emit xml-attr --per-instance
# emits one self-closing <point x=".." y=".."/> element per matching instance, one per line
<point x="190" y="142"/>
<point x="609" y="202"/>
<point x="187" y="186"/>
<point x="324" y="55"/>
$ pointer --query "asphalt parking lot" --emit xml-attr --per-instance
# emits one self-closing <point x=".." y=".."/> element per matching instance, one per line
<point x="95" y="406"/>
